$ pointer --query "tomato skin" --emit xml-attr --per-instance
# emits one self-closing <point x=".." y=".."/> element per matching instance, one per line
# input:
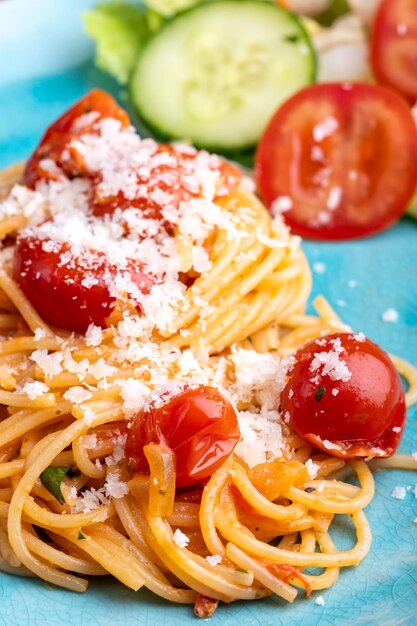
<point x="394" y="46"/>
<point x="198" y="424"/>
<point x="344" y="156"/>
<point x="166" y="178"/>
<point x="58" y="136"/>
<point x="56" y="290"/>
<point x="357" y="415"/>
<point x="62" y="131"/>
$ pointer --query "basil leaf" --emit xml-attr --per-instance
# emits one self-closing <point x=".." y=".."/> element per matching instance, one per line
<point x="80" y="535"/>
<point x="51" y="479"/>
<point x="319" y="393"/>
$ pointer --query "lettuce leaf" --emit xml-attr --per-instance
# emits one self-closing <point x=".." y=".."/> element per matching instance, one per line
<point x="119" y="29"/>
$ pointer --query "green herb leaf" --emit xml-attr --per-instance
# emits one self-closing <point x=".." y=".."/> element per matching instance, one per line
<point x="51" y="479"/>
<point x="80" y="535"/>
<point x="242" y="571"/>
<point x="320" y="393"/>
<point x="119" y="29"/>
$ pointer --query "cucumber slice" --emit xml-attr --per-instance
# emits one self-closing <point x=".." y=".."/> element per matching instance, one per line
<point x="215" y="74"/>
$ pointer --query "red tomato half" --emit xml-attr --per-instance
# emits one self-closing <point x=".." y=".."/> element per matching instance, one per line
<point x="343" y="157"/>
<point x="345" y="397"/>
<point x="170" y="178"/>
<point x="62" y="292"/>
<point x="56" y="289"/>
<point x="61" y="132"/>
<point x="394" y="46"/>
<point x="198" y="424"/>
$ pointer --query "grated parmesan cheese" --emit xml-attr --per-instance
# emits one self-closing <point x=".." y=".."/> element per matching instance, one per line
<point x="330" y="445"/>
<point x="34" y="389"/>
<point x="261" y="437"/>
<point x="181" y="539"/>
<point x="50" y="364"/>
<point x="90" y="441"/>
<point x="133" y="393"/>
<point x="94" y="335"/>
<point x="319" y="267"/>
<point x="399" y="493"/>
<point x="312" y="468"/>
<point x="77" y="395"/>
<point x="214" y="560"/>
<point x="390" y="316"/>
<point x="331" y="364"/>
<point x="39" y="333"/>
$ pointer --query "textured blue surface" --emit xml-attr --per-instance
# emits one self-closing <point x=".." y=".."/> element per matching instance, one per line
<point x="383" y="590"/>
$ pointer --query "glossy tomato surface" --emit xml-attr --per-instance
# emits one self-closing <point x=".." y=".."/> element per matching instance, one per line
<point x="345" y="397"/>
<point x="62" y="293"/>
<point x="341" y="159"/>
<point x="394" y="46"/>
<point x="198" y="424"/>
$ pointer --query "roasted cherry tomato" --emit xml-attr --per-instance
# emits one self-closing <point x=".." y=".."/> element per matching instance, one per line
<point x="67" y="295"/>
<point x="99" y="105"/>
<point x="345" y="397"/>
<point x="340" y="160"/>
<point x="394" y="46"/>
<point x="198" y="424"/>
<point x="170" y="178"/>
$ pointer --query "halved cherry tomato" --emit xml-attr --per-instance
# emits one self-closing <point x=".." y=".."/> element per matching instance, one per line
<point x="64" y="129"/>
<point x="170" y="177"/>
<point x="198" y="424"/>
<point x="342" y="158"/>
<point x="394" y="46"/>
<point x="63" y="293"/>
<point x="345" y="397"/>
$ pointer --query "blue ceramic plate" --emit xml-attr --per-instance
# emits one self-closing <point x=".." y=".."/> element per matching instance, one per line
<point x="45" y="64"/>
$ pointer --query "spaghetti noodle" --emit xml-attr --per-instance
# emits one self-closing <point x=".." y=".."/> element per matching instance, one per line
<point x="68" y="400"/>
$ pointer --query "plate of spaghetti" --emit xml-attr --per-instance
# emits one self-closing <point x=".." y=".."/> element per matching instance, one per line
<point x="201" y="414"/>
